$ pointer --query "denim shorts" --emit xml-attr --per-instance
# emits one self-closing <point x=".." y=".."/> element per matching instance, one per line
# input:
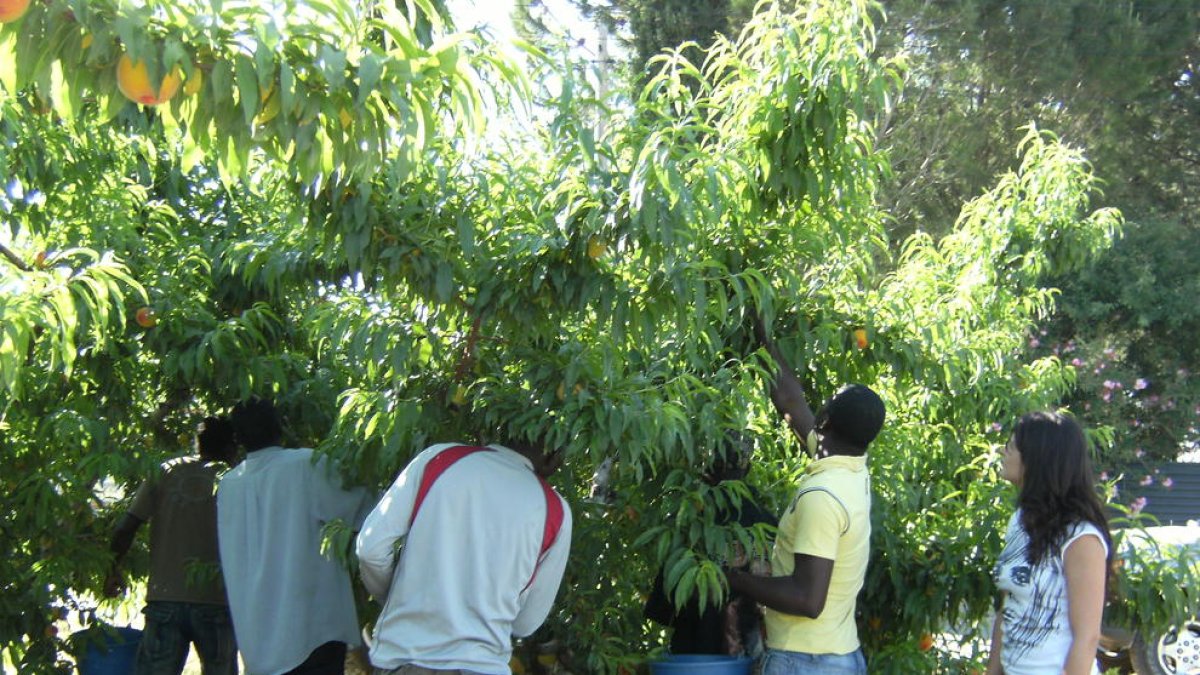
<point x="779" y="662"/>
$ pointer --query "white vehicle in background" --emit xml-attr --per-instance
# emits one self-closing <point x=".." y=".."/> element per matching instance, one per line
<point x="1175" y="651"/>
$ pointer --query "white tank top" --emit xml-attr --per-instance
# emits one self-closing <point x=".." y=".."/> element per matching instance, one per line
<point x="1037" y="630"/>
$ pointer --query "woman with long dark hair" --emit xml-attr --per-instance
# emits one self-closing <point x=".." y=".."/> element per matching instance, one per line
<point x="1057" y="553"/>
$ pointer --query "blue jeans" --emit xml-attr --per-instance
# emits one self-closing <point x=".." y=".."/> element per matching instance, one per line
<point x="172" y="626"/>
<point x="421" y="670"/>
<point x="779" y="662"/>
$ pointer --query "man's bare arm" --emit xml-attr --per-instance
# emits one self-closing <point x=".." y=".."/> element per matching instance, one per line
<point x="787" y="394"/>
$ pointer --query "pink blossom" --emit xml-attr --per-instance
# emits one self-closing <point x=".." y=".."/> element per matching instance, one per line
<point x="1139" y="453"/>
<point x="1107" y="396"/>
<point x="1138" y="504"/>
<point x="1079" y="362"/>
<point x="1146" y="480"/>
<point x="1140" y="384"/>
<point x="996" y="427"/>
<point x="1104" y="475"/>
<point x="1168" y="482"/>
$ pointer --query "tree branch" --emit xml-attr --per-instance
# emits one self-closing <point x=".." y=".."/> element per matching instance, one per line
<point x="14" y="259"/>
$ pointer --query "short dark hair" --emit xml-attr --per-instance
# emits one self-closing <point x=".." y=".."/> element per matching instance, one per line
<point x="855" y="414"/>
<point x="214" y="439"/>
<point x="256" y="424"/>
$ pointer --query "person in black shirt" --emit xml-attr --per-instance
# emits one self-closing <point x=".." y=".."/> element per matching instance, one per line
<point x="733" y="629"/>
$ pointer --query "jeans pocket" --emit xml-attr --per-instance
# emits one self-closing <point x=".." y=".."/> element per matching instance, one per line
<point x="161" y="612"/>
<point x="212" y="629"/>
<point x="766" y="663"/>
<point x="213" y="615"/>
<point x="163" y="647"/>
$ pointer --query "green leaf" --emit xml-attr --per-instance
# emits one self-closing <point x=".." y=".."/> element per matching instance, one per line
<point x="369" y="71"/>
<point x="247" y="85"/>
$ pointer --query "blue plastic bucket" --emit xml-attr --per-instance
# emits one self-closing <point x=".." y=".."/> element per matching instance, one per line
<point x="107" y="650"/>
<point x="702" y="664"/>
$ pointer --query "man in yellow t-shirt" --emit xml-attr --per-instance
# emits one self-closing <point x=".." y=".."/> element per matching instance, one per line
<point x="821" y="550"/>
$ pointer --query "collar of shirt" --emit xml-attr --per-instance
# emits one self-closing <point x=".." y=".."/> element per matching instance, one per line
<point x="263" y="452"/>
<point x="848" y="462"/>
<point x="516" y="455"/>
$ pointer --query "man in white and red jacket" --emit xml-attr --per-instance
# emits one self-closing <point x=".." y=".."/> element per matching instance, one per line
<point x="485" y="544"/>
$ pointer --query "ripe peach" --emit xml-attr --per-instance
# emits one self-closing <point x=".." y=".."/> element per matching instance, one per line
<point x="11" y="10"/>
<point x="133" y="79"/>
<point x="146" y="317"/>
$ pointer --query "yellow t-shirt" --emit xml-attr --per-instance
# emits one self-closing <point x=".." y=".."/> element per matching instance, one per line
<point x="830" y="517"/>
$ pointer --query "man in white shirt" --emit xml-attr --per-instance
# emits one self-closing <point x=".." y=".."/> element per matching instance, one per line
<point x="485" y="545"/>
<point x="292" y="606"/>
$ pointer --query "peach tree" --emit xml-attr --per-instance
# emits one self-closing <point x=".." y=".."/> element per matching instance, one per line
<point x="324" y="220"/>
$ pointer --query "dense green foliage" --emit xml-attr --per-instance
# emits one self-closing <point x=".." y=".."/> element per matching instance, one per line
<point x="1116" y="79"/>
<point x="417" y="282"/>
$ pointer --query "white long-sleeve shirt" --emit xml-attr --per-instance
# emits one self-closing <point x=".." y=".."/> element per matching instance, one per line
<point x="458" y="594"/>
<point x="285" y="597"/>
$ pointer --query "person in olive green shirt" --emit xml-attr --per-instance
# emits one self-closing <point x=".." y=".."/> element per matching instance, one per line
<point x="186" y="603"/>
<point x="820" y="556"/>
